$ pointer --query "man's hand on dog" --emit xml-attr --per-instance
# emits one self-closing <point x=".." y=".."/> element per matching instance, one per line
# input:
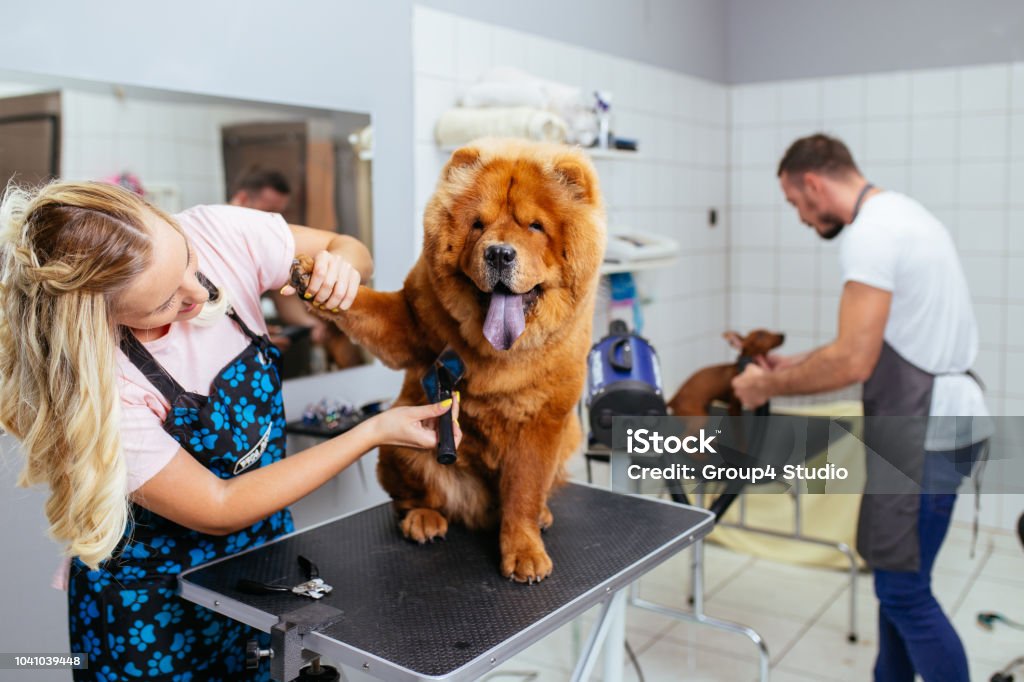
<point x="770" y="361"/>
<point x="774" y="361"/>
<point x="752" y="386"/>
<point x="332" y="283"/>
<point x="415" y="426"/>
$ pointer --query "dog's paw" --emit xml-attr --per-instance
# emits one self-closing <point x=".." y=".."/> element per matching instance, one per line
<point x="423" y="525"/>
<point x="302" y="269"/>
<point x="526" y="565"/>
<point x="546" y="518"/>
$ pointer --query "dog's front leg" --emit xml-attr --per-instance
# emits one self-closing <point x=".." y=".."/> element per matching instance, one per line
<point x="527" y="474"/>
<point x="379" y="321"/>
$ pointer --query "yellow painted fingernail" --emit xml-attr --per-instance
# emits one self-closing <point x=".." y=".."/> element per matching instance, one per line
<point x="308" y="296"/>
<point x="446" y="403"/>
<point x="282" y="290"/>
<point x="457" y="396"/>
<point x="334" y="310"/>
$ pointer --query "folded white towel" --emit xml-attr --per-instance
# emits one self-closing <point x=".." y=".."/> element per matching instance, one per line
<point x="506" y="86"/>
<point x="459" y="126"/>
<point x="557" y="94"/>
<point x="495" y="94"/>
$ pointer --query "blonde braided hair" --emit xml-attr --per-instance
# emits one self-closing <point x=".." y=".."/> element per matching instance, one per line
<point x="67" y="250"/>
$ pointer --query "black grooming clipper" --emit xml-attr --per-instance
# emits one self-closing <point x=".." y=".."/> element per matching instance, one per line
<point x="439" y="384"/>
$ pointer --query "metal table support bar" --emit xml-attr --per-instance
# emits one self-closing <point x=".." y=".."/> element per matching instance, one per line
<point x="698" y="616"/>
<point x="598" y="634"/>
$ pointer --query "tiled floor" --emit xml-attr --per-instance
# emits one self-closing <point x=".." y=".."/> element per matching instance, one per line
<point x="801" y="613"/>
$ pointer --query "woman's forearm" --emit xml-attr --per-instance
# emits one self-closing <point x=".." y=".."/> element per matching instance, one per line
<point x="257" y="494"/>
<point x="310" y="241"/>
<point x="355" y="252"/>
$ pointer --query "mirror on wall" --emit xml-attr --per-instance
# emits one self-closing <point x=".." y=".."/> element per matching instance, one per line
<point x="181" y="149"/>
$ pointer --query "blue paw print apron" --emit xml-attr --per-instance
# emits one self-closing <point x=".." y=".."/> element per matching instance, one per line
<point x="127" y="615"/>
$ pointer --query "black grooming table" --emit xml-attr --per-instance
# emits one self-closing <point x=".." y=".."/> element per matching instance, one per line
<point x="443" y="610"/>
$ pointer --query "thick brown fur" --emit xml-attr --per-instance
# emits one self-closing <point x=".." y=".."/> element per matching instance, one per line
<point x="694" y="397"/>
<point x="517" y="407"/>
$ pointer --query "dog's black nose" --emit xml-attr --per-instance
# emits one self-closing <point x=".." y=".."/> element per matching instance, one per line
<point x="500" y="255"/>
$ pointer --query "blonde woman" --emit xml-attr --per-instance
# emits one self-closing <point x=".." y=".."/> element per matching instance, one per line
<point x="136" y="371"/>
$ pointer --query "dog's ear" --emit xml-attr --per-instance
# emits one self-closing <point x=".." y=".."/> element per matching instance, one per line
<point x="462" y="159"/>
<point x="734" y="339"/>
<point x="579" y="176"/>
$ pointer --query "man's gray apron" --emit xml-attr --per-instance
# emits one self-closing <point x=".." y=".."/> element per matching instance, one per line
<point x="887" y="534"/>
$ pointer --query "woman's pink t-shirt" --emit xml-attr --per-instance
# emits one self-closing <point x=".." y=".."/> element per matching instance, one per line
<point x="244" y="251"/>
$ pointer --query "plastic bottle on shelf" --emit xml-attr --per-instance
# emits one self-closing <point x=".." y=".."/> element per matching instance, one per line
<point x="602" y="106"/>
<point x="624" y="304"/>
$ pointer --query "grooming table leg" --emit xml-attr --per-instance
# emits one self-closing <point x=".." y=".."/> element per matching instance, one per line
<point x="286" y="639"/>
<point x="598" y="633"/>
<point x="845" y="549"/>
<point x="851" y="636"/>
<point x="615" y="642"/>
<point x="798" y="535"/>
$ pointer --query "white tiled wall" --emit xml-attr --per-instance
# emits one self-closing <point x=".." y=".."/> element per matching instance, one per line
<point x="162" y="142"/>
<point x="680" y="172"/>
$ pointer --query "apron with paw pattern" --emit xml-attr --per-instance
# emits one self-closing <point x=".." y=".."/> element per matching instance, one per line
<point x="126" y="615"/>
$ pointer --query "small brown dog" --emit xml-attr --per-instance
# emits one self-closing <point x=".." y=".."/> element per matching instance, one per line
<point x="694" y="397"/>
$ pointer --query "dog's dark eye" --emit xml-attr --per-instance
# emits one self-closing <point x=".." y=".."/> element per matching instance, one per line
<point x="478" y="224"/>
<point x="536" y="226"/>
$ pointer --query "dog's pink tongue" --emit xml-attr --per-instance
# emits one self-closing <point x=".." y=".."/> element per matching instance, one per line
<point x="505" y="320"/>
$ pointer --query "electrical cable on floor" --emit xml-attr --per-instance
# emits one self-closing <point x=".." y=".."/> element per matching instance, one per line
<point x="1006" y="674"/>
<point x="636" y="663"/>
<point x="988" y="619"/>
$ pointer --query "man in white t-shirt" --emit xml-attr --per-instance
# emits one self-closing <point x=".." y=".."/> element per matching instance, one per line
<point x="907" y="331"/>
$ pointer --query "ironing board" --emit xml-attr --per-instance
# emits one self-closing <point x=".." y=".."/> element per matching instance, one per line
<point x="400" y="611"/>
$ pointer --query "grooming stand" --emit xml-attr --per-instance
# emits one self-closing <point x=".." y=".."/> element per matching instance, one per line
<point x="798" y="535"/>
<point x="404" y="612"/>
<point x="719" y="508"/>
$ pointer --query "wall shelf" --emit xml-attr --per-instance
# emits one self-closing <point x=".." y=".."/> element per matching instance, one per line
<point x="611" y="154"/>
<point x="608" y="267"/>
<point x="593" y="152"/>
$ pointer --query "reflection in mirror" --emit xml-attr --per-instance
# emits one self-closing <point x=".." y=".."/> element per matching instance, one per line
<point x="180" y="150"/>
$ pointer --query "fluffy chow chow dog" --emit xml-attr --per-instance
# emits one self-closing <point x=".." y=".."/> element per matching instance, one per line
<point x="513" y="238"/>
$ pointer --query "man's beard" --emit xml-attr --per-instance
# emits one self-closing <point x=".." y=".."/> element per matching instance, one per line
<point x="835" y="227"/>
